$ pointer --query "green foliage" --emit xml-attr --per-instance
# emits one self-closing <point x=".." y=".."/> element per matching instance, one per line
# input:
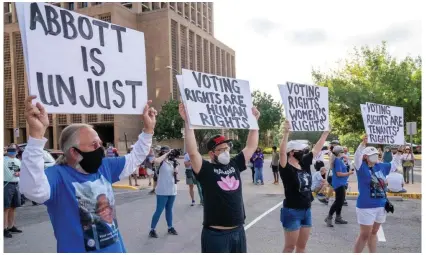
<point x="202" y="136"/>
<point x="372" y="75"/>
<point x="271" y="112"/>
<point x="169" y="122"/>
<point x="268" y="150"/>
<point x="351" y="140"/>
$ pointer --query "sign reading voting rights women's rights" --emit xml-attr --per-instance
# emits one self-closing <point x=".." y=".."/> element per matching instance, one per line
<point x="383" y="124"/>
<point x="77" y="64"/>
<point x="306" y="106"/>
<point x="216" y="101"/>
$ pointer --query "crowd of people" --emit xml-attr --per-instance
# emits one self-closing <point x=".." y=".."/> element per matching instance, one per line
<point x="79" y="197"/>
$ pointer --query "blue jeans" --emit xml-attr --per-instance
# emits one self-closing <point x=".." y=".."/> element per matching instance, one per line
<point x="163" y="202"/>
<point x="294" y="219"/>
<point x="258" y="174"/>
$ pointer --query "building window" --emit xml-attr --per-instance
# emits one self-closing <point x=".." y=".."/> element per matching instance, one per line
<point x="127" y="4"/>
<point x="105" y="17"/>
<point x="82" y="5"/>
<point x="71" y="6"/>
<point x="175" y="49"/>
<point x="97" y="3"/>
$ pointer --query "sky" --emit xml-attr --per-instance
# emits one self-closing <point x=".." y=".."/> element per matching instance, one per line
<point x="279" y="41"/>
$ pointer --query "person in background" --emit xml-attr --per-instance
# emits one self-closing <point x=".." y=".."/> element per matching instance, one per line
<point x="258" y="166"/>
<point x="295" y="172"/>
<point x="387" y="156"/>
<point x="166" y="191"/>
<point x="407" y="160"/>
<point x="191" y="180"/>
<point x="319" y="185"/>
<point x="274" y="163"/>
<point x="370" y="205"/>
<point x="149" y="165"/>
<point x="155" y="176"/>
<point x="339" y="182"/>
<point x="251" y="166"/>
<point x="110" y="150"/>
<point x="11" y="196"/>
<point x="224" y="214"/>
<point x="330" y="169"/>
<point x="70" y="188"/>
<point x="395" y="182"/>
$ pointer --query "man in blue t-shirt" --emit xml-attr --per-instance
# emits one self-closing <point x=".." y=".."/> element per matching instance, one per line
<point x="78" y="189"/>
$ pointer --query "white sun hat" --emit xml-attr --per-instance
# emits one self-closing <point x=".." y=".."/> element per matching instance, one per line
<point x="370" y="151"/>
<point x="295" y="146"/>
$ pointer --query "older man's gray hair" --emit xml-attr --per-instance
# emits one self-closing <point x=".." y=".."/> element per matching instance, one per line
<point x="69" y="138"/>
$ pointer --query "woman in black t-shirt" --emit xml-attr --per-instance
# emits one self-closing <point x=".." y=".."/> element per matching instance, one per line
<point x="295" y="171"/>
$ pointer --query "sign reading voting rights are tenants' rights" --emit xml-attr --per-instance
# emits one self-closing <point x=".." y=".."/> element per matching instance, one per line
<point x="383" y="124"/>
<point x="77" y="64"/>
<point x="216" y="102"/>
<point x="306" y="106"/>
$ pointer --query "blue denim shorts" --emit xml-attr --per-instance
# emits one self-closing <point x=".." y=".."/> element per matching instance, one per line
<point x="294" y="219"/>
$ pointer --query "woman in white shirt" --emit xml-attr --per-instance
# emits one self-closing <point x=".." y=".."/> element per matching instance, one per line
<point x="166" y="191"/>
<point x="407" y="163"/>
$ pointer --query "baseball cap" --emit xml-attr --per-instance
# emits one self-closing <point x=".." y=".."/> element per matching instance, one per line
<point x="370" y="151"/>
<point x="295" y="146"/>
<point x="335" y="142"/>
<point x="215" y="141"/>
<point x="337" y="149"/>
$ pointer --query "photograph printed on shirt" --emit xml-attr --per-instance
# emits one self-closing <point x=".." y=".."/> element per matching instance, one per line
<point x="376" y="185"/>
<point x="305" y="181"/>
<point x="97" y="213"/>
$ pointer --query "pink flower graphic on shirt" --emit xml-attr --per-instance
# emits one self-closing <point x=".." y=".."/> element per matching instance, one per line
<point x="228" y="183"/>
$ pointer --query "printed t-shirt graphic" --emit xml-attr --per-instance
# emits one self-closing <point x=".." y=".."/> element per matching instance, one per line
<point x="304" y="181"/>
<point x="97" y="213"/>
<point x="376" y="184"/>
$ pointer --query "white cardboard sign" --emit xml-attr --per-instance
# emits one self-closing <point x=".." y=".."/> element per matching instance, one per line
<point x="306" y="106"/>
<point x="383" y="124"/>
<point x="216" y="102"/>
<point x="78" y="64"/>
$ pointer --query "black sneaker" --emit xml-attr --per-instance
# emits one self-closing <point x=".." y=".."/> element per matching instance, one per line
<point x="172" y="231"/>
<point x="6" y="233"/>
<point x="323" y="200"/>
<point x="152" y="192"/>
<point x="339" y="220"/>
<point x="153" y="234"/>
<point x="345" y="203"/>
<point x="14" y="230"/>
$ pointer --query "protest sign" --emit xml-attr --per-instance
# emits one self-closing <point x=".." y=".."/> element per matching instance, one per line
<point x="306" y="106"/>
<point x="217" y="102"/>
<point x="383" y="124"/>
<point x="78" y="64"/>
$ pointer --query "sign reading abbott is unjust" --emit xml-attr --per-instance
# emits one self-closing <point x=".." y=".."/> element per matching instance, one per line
<point x="306" y="106"/>
<point x="383" y="124"/>
<point x="77" y="64"/>
<point x="216" y="101"/>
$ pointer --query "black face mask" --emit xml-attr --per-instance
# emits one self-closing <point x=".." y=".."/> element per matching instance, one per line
<point x="298" y="155"/>
<point x="91" y="160"/>
<point x="306" y="151"/>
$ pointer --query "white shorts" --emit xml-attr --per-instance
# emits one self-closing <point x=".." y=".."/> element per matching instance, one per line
<point x="367" y="216"/>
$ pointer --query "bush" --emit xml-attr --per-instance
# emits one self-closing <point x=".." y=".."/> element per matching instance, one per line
<point x="268" y="150"/>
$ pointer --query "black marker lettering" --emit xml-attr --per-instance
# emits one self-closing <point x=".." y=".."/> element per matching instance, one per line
<point x="134" y="84"/>
<point x="119" y="93"/>
<point x="69" y="23"/>
<point x="101" y="26"/>
<point x="98" y="95"/>
<point x="119" y="41"/>
<point x="62" y="87"/>
<point x="84" y="56"/>
<point x="52" y="20"/>
<point x="41" y="91"/>
<point x="81" y="21"/>
<point x="36" y="16"/>
<point x="91" y="95"/>
<point x="97" y="61"/>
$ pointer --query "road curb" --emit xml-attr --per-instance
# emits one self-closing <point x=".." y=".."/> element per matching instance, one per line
<point x="119" y="186"/>
<point x="402" y="195"/>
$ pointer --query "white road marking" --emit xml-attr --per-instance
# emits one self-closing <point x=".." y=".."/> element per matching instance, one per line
<point x="263" y="215"/>
<point x="381" y="235"/>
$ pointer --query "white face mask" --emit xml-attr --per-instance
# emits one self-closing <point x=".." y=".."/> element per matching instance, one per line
<point x="224" y="158"/>
<point x="373" y="158"/>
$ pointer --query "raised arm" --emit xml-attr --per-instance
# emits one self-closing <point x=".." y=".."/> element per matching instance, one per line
<point x="141" y="148"/>
<point x="358" y="153"/>
<point x="318" y="146"/>
<point x="252" y="138"/>
<point x="33" y="180"/>
<point x="161" y="159"/>
<point x="283" y="145"/>
<point x="191" y="143"/>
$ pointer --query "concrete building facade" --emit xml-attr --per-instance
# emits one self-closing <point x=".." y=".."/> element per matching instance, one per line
<point x="177" y="35"/>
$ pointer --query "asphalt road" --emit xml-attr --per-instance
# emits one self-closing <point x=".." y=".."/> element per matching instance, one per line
<point x="402" y="230"/>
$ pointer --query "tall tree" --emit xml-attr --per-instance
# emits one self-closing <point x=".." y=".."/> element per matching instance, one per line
<point x="372" y="75"/>
<point x="169" y="122"/>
